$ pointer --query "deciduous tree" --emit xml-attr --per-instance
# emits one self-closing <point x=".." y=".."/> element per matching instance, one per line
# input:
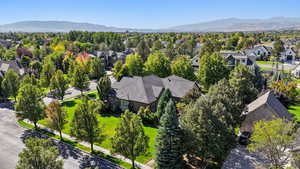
<point x="158" y="64"/>
<point x="39" y="154"/>
<point x="85" y="125"/>
<point x="59" y="84"/>
<point x="56" y="117"/>
<point x="274" y="139"/>
<point x="212" y="69"/>
<point x="30" y="104"/>
<point x="182" y="67"/>
<point x="130" y="139"/>
<point x="134" y="64"/>
<point x="11" y="83"/>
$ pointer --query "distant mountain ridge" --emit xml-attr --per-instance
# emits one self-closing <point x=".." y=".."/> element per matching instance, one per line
<point x="220" y="25"/>
<point x="58" y="26"/>
<point x="235" y="24"/>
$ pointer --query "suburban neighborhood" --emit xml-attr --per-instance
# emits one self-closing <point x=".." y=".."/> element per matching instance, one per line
<point x="220" y="94"/>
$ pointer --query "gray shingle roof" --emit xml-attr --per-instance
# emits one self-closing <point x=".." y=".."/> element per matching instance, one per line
<point x="6" y="65"/>
<point x="266" y="107"/>
<point x="147" y="89"/>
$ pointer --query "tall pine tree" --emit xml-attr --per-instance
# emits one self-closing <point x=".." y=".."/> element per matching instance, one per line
<point x="169" y="140"/>
<point x="162" y="102"/>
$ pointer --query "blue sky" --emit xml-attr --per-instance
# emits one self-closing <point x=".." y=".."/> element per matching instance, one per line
<point x="144" y="13"/>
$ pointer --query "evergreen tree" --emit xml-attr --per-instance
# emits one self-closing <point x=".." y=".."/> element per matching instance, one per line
<point x="169" y="141"/>
<point x="143" y="49"/>
<point x="103" y="88"/>
<point x="162" y="102"/>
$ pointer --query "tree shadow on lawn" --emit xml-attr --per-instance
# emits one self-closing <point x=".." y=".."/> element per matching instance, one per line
<point x="94" y="161"/>
<point x="69" y="103"/>
<point x="65" y="150"/>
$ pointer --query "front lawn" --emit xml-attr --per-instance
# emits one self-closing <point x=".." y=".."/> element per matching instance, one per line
<point x="264" y="62"/>
<point x="108" y="123"/>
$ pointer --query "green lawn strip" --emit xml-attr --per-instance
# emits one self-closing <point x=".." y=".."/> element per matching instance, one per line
<point x="295" y="110"/>
<point x="108" y="123"/>
<point x="265" y="62"/>
<point x="77" y="145"/>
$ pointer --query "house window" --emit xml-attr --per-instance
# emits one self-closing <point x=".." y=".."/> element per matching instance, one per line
<point x="124" y="105"/>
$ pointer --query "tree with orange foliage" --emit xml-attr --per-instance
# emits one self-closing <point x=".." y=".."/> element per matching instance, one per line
<point x="56" y="117"/>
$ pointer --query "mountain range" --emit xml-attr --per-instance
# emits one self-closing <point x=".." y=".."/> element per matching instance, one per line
<point x="221" y="25"/>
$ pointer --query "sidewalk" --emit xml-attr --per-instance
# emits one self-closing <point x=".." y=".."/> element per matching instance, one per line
<point x="97" y="148"/>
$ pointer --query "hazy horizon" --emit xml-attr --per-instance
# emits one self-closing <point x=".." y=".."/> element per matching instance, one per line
<point x="154" y="14"/>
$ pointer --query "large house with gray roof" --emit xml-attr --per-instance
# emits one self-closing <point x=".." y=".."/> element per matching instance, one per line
<point x="134" y="92"/>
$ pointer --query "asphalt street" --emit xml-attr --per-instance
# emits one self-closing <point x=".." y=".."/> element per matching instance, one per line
<point x="12" y="138"/>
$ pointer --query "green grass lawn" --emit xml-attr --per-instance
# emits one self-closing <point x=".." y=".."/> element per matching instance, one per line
<point x="108" y="123"/>
<point x="264" y="62"/>
<point x="295" y="110"/>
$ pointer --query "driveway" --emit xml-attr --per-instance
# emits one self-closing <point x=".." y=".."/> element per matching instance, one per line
<point x="12" y="138"/>
<point x="71" y="92"/>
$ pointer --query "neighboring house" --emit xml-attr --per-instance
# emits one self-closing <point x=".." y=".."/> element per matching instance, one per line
<point x="259" y="52"/>
<point x="110" y="57"/>
<point x="134" y="92"/>
<point x="289" y="55"/>
<point x="13" y="65"/>
<point x="235" y="58"/>
<point x="195" y="62"/>
<point x="266" y="108"/>
<point x="5" y="43"/>
<point x="296" y="72"/>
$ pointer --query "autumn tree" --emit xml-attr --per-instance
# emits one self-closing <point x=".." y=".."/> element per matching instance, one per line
<point x="85" y="125"/>
<point x="39" y="154"/>
<point x="59" y="84"/>
<point x="274" y="139"/>
<point x="56" y="117"/>
<point x="11" y="83"/>
<point x="130" y="139"/>
<point x="30" y="104"/>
